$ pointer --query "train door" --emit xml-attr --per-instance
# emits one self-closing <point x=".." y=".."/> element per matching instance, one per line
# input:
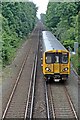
<point x="56" y="65"/>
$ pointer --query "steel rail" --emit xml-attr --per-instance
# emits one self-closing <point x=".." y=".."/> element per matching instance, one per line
<point x="71" y="103"/>
<point x="53" y="110"/>
<point x="26" y="110"/>
<point x="32" y="86"/>
<point x="47" y="102"/>
<point x="34" y="78"/>
<point x="14" y="88"/>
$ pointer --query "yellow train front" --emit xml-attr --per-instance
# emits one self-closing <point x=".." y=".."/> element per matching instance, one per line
<point x="56" y="59"/>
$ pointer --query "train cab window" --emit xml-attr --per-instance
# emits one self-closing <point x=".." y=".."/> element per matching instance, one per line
<point x="65" y="58"/>
<point x="48" y="59"/>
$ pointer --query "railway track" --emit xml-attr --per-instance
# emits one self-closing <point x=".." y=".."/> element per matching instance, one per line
<point x="30" y="101"/>
<point x="27" y="101"/>
<point x="59" y="104"/>
<point x="29" y="105"/>
<point x="14" y="89"/>
<point x="32" y="88"/>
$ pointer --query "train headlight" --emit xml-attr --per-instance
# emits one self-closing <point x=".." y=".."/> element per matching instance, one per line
<point x="65" y="69"/>
<point x="47" y="69"/>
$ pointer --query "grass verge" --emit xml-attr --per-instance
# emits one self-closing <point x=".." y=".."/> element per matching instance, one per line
<point x="75" y="61"/>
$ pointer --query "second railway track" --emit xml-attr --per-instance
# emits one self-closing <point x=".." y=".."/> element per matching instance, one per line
<point x="30" y="101"/>
<point x="16" y="105"/>
<point x="14" y="88"/>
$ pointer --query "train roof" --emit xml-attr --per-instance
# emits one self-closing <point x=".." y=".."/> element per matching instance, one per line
<point x="50" y="42"/>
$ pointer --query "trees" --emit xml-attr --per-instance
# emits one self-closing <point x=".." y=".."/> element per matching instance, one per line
<point x="52" y="16"/>
<point x="62" y="19"/>
<point x="18" y="20"/>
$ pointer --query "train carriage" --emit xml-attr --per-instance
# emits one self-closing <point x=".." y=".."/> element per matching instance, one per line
<point x="56" y="58"/>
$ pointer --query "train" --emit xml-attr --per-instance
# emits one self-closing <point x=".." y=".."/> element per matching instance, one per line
<point x="55" y="58"/>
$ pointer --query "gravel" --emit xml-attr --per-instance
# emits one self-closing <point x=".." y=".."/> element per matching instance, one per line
<point x="72" y="87"/>
<point x="39" y="102"/>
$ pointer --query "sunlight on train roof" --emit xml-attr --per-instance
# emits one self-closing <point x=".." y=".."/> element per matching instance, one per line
<point x="51" y="42"/>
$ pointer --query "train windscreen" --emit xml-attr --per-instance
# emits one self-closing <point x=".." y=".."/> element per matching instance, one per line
<point x="64" y="58"/>
<point x="56" y="58"/>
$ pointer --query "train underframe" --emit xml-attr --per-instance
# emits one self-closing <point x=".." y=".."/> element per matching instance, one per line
<point x="56" y="77"/>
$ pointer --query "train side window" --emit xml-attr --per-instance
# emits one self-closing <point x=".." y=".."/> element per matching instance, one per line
<point x="48" y="59"/>
<point x="64" y="58"/>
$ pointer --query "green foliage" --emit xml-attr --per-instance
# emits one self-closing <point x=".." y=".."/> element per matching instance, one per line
<point x="68" y="43"/>
<point x="10" y="42"/>
<point x="62" y="20"/>
<point x="74" y="60"/>
<point x="18" y="20"/>
<point x="52" y="18"/>
<point x="79" y="33"/>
